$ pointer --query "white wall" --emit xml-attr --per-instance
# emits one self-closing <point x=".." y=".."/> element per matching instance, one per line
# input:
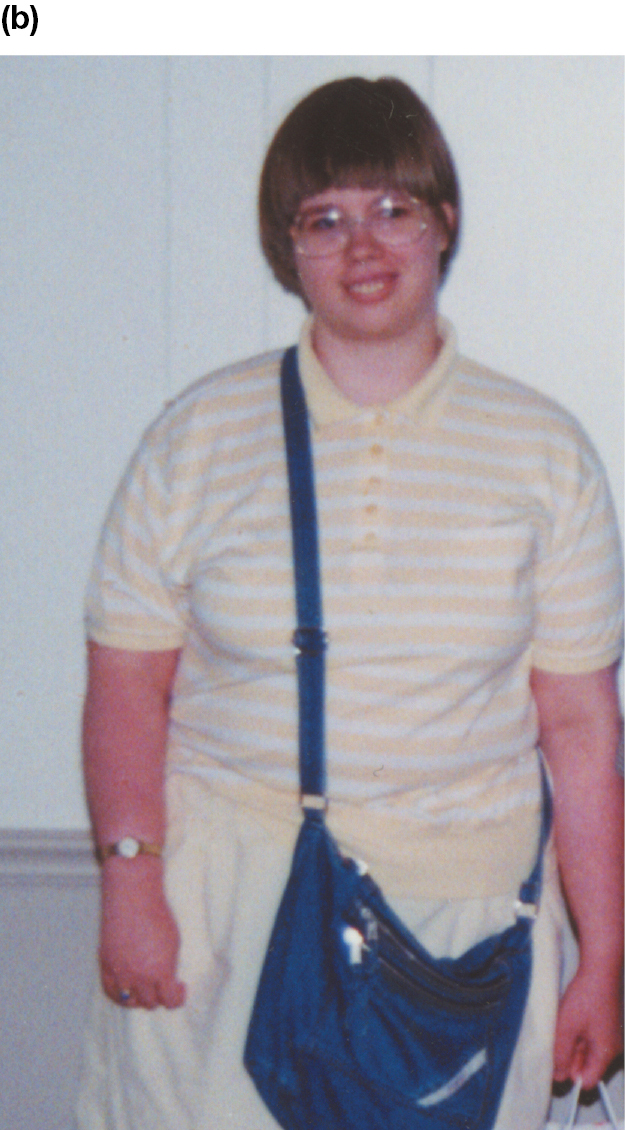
<point x="129" y="266"/>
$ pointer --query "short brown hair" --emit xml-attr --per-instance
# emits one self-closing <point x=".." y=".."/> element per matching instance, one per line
<point x="353" y="132"/>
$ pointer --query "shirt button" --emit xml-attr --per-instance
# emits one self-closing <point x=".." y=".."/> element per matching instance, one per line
<point x="370" y="538"/>
<point x="377" y="450"/>
<point x="371" y="508"/>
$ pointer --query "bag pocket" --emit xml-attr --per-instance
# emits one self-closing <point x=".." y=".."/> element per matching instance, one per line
<point x="406" y="971"/>
<point x="398" y="1030"/>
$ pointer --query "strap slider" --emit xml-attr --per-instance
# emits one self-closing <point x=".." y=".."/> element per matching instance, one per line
<point x="309" y="641"/>
<point x="313" y="800"/>
<point x="525" y="909"/>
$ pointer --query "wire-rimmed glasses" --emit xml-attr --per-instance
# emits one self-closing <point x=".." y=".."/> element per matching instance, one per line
<point x="325" y="229"/>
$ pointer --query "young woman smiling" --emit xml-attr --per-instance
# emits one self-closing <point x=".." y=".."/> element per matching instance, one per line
<point x="471" y="586"/>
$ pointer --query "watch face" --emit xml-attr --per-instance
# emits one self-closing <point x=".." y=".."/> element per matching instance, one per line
<point x="128" y="847"/>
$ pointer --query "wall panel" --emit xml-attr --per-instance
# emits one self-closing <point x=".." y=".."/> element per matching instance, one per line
<point x="537" y="289"/>
<point x="218" y="279"/>
<point x="48" y="941"/>
<point x="81" y="368"/>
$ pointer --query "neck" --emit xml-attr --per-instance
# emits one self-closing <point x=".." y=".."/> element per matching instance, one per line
<point x="376" y="372"/>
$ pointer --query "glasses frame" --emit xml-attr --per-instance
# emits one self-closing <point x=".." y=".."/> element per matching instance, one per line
<point x="343" y="235"/>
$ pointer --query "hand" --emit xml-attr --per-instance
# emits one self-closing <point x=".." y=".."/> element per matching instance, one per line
<point x="589" y="1033"/>
<point x="139" y="938"/>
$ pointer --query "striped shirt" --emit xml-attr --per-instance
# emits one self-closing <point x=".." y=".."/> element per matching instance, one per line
<point x="466" y="536"/>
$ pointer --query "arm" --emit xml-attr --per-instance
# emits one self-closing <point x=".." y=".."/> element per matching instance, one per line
<point x="580" y="728"/>
<point x="125" y="730"/>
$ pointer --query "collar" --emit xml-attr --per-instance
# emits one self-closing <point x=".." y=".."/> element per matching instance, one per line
<point x="421" y="404"/>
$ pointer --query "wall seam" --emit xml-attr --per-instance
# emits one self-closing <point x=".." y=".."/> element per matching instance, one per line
<point x="265" y="101"/>
<point x="166" y="173"/>
<point x="431" y="79"/>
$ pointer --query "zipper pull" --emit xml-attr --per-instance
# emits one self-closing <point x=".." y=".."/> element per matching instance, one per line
<point x="355" y="943"/>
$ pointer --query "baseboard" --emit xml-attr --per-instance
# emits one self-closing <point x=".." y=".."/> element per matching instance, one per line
<point x="34" y="856"/>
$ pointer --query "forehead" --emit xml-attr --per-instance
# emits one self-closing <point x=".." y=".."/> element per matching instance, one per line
<point x="350" y="198"/>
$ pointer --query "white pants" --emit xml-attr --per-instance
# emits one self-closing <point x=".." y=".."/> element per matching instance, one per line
<point x="226" y="869"/>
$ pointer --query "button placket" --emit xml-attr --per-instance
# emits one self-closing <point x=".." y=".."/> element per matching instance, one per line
<point x="370" y="509"/>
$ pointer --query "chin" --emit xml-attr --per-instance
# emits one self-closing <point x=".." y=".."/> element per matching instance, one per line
<point x="375" y="328"/>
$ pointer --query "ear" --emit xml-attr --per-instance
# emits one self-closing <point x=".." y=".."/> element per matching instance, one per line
<point x="451" y="223"/>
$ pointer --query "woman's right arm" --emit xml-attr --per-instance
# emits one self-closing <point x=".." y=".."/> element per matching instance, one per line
<point x="124" y="741"/>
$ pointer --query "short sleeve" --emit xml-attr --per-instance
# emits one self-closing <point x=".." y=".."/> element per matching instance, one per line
<point x="132" y="600"/>
<point x="579" y="624"/>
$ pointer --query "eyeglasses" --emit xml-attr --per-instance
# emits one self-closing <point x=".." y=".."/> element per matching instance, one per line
<point x="392" y="220"/>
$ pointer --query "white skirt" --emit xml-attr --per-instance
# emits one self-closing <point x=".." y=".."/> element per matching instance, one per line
<point x="226" y="868"/>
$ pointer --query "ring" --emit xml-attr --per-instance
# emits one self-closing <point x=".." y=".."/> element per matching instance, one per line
<point x="124" y="996"/>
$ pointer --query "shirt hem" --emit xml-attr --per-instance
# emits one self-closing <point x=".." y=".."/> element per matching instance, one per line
<point x="135" y="643"/>
<point x="571" y="665"/>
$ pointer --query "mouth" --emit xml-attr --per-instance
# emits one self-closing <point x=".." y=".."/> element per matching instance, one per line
<point x="370" y="289"/>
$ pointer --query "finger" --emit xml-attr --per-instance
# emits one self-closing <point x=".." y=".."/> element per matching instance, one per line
<point x="579" y="1061"/>
<point x="172" y="993"/>
<point x="596" y="1064"/>
<point x="130" y="991"/>
<point x="562" y="1057"/>
<point x="570" y="1054"/>
<point x="124" y="997"/>
<point x="145" y="993"/>
<point x="116" y="983"/>
<point x="111" y="987"/>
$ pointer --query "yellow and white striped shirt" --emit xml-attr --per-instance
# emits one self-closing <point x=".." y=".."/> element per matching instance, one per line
<point x="467" y="535"/>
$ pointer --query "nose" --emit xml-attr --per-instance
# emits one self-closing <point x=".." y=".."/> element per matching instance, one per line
<point x="361" y="240"/>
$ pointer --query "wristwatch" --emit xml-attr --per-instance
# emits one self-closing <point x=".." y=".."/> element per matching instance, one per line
<point x="128" y="848"/>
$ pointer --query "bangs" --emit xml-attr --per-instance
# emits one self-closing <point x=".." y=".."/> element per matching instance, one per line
<point x="366" y="138"/>
<point x="312" y="178"/>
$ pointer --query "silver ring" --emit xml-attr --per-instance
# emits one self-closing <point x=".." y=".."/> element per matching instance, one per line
<point x="124" y="996"/>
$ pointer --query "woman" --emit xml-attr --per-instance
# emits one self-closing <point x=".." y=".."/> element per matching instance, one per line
<point x="470" y="575"/>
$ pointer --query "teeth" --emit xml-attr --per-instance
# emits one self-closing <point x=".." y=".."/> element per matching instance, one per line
<point x="368" y="288"/>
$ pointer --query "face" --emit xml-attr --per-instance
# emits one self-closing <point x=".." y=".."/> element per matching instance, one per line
<point x="369" y="289"/>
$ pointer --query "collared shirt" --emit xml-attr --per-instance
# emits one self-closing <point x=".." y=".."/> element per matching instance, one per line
<point x="466" y="536"/>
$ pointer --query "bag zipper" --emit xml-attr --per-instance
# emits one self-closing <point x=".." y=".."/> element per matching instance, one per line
<point x="459" y="1002"/>
<point x="400" y="963"/>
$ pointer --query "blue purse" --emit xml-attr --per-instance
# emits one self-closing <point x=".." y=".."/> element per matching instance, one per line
<point x="355" y="1025"/>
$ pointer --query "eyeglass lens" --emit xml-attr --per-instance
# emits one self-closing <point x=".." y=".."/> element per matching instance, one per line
<point x="324" y="231"/>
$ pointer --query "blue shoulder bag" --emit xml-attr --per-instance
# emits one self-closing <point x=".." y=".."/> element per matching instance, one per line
<point x="355" y="1025"/>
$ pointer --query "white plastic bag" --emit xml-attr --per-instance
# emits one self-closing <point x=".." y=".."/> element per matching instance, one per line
<point x="571" y="1121"/>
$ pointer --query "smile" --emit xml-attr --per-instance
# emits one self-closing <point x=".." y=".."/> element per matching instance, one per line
<point x="369" y="288"/>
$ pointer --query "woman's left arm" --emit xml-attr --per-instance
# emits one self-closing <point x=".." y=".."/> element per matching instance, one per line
<point x="580" y="732"/>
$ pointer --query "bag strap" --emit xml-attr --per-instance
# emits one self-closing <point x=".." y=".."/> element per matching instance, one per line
<point x="526" y="905"/>
<point x="309" y="638"/>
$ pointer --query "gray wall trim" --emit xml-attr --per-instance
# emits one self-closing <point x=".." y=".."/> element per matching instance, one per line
<point x="35" y="856"/>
